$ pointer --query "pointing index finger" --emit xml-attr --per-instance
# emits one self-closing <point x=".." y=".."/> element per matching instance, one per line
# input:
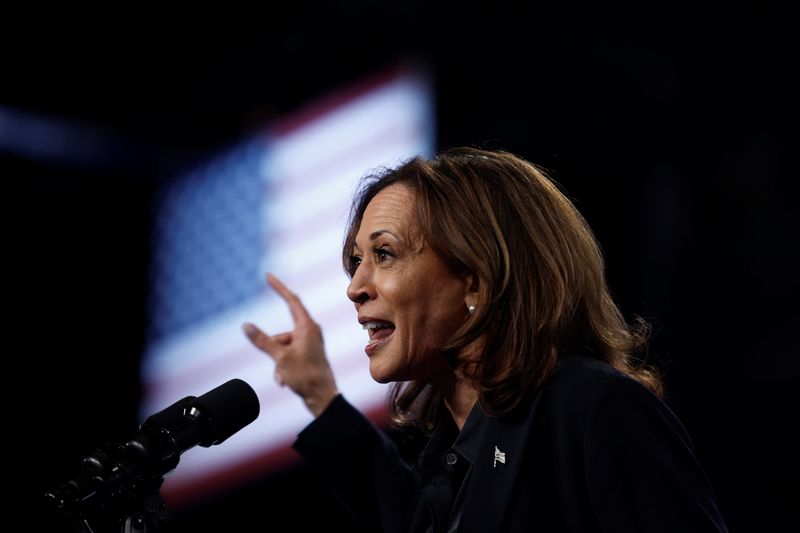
<point x="296" y="307"/>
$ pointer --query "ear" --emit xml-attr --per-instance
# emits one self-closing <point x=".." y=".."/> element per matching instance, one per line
<point x="470" y="287"/>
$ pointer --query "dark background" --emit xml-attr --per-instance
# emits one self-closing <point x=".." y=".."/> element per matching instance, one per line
<point x="672" y="127"/>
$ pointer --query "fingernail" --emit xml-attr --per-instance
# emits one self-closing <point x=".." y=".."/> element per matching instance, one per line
<point x="249" y="329"/>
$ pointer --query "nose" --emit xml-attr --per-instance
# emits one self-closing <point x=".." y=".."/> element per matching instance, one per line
<point x="361" y="288"/>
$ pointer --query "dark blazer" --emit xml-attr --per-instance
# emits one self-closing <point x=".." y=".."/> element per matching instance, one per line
<point x="593" y="450"/>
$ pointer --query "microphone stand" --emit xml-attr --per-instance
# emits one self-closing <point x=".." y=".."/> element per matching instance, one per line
<point x="111" y="494"/>
<point x="118" y="486"/>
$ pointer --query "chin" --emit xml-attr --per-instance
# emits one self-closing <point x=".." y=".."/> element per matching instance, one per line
<point x="379" y="376"/>
<point x="385" y="369"/>
<point x="379" y="379"/>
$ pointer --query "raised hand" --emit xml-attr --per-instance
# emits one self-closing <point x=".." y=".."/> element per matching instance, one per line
<point x="299" y="355"/>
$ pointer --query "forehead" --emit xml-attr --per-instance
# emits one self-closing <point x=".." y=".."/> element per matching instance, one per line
<point x="391" y="209"/>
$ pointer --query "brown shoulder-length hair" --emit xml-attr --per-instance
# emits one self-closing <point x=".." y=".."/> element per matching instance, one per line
<point x="541" y="287"/>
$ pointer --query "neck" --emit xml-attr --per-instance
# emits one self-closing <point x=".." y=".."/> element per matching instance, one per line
<point x="459" y="398"/>
<point x="458" y="392"/>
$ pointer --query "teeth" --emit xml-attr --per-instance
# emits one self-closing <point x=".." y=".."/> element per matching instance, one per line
<point x="376" y="325"/>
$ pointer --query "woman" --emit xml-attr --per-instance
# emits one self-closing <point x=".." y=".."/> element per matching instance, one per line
<point x="484" y="294"/>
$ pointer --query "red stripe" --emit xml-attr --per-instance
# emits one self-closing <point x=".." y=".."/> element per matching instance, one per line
<point x="326" y="104"/>
<point x="279" y="458"/>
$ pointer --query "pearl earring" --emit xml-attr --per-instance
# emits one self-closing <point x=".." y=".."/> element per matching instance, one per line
<point x="471" y="308"/>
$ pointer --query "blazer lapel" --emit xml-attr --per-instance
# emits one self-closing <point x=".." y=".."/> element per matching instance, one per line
<point x="496" y="470"/>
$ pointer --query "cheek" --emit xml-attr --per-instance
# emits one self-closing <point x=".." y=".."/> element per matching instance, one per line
<point x="432" y="319"/>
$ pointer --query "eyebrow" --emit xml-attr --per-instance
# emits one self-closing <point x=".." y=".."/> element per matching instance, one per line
<point x="375" y="234"/>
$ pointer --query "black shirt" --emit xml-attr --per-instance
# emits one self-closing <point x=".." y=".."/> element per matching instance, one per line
<point x="444" y="468"/>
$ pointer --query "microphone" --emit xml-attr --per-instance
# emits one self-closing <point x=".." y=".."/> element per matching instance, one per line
<point x="118" y="476"/>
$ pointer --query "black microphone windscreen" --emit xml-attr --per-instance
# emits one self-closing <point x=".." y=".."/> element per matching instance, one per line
<point x="230" y="407"/>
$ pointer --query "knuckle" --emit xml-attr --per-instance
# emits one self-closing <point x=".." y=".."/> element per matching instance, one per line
<point x="312" y="327"/>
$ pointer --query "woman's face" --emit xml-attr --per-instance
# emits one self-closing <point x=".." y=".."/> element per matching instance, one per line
<point x="405" y="295"/>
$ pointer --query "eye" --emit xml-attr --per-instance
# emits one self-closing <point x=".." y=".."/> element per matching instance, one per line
<point x="383" y="253"/>
<point x="355" y="260"/>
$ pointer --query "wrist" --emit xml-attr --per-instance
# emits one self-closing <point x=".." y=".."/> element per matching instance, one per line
<point x="317" y="403"/>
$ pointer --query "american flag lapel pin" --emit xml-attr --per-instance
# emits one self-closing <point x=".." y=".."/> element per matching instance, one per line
<point x="499" y="457"/>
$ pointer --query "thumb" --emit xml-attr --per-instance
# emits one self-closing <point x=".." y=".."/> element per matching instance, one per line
<point x="261" y="340"/>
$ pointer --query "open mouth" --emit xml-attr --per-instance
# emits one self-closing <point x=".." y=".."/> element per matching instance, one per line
<point x="378" y="329"/>
<point x="379" y="334"/>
